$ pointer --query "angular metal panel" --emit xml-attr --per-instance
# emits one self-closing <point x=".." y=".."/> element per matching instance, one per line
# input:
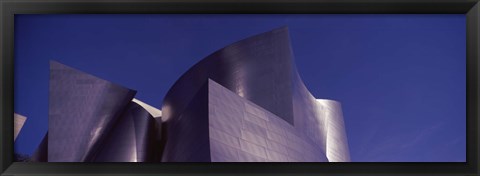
<point x="82" y="109"/>
<point x="245" y="102"/>
<point x="257" y="68"/>
<point x="132" y="139"/>
<point x="259" y="145"/>
<point x="258" y="106"/>
<point x="18" y="120"/>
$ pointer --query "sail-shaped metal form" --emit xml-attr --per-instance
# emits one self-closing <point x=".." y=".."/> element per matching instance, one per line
<point x="91" y="119"/>
<point x="243" y="103"/>
<point x="258" y="109"/>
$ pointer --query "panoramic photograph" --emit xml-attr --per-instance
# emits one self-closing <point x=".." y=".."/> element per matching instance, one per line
<point x="240" y="88"/>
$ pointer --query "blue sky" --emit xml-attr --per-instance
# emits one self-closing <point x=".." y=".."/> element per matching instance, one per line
<point x="400" y="78"/>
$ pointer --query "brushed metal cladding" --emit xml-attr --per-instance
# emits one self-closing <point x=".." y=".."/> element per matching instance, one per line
<point x="257" y="68"/>
<point x="82" y="109"/>
<point x="132" y="138"/>
<point x="241" y="131"/>
<point x="187" y="137"/>
<point x="243" y="103"/>
<point x="157" y="115"/>
<point x="258" y="107"/>
<point x="308" y="119"/>
<point x="336" y="137"/>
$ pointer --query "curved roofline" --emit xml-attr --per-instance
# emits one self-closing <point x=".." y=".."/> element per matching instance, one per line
<point x="260" y="69"/>
<point x="327" y="100"/>
<point x="218" y="51"/>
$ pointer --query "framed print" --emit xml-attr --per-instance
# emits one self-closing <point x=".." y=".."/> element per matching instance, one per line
<point x="215" y="87"/>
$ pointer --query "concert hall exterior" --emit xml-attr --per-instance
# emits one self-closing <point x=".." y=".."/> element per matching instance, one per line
<point x="243" y="103"/>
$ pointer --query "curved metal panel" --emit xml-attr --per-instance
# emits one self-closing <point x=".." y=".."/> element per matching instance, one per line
<point x="336" y="137"/>
<point x="245" y="102"/>
<point x="82" y="109"/>
<point x="187" y="135"/>
<point x="257" y="68"/>
<point x="308" y="119"/>
<point x="132" y="139"/>
<point x="265" y="83"/>
<point x="156" y="113"/>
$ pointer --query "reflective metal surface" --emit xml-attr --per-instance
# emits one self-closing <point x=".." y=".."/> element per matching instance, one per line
<point x="186" y="136"/>
<point x="243" y="103"/>
<point x="258" y="68"/>
<point x="258" y="108"/>
<point x="156" y="113"/>
<point x="132" y="139"/>
<point x="241" y="131"/>
<point x="18" y="121"/>
<point x="336" y="137"/>
<point x="91" y="119"/>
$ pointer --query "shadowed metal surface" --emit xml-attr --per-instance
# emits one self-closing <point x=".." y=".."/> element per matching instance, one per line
<point x="82" y="109"/>
<point x="258" y="107"/>
<point x="187" y="137"/>
<point x="41" y="153"/>
<point x="132" y="139"/>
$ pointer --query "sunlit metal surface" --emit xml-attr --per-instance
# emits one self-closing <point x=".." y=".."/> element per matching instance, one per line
<point x="258" y="68"/>
<point x="336" y="137"/>
<point x="241" y="131"/>
<point x="91" y="119"/>
<point x="18" y="121"/>
<point x="258" y="109"/>
<point x="243" y="103"/>
<point x="156" y="113"/>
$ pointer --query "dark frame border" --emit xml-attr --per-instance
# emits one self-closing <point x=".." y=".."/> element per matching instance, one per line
<point x="8" y="9"/>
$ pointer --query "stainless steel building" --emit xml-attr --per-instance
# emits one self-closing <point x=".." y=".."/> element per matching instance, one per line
<point x="243" y="103"/>
<point x="91" y="119"/>
<point x="247" y="102"/>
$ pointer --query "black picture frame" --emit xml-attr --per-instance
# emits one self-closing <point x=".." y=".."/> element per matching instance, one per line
<point x="8" y="9"/>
